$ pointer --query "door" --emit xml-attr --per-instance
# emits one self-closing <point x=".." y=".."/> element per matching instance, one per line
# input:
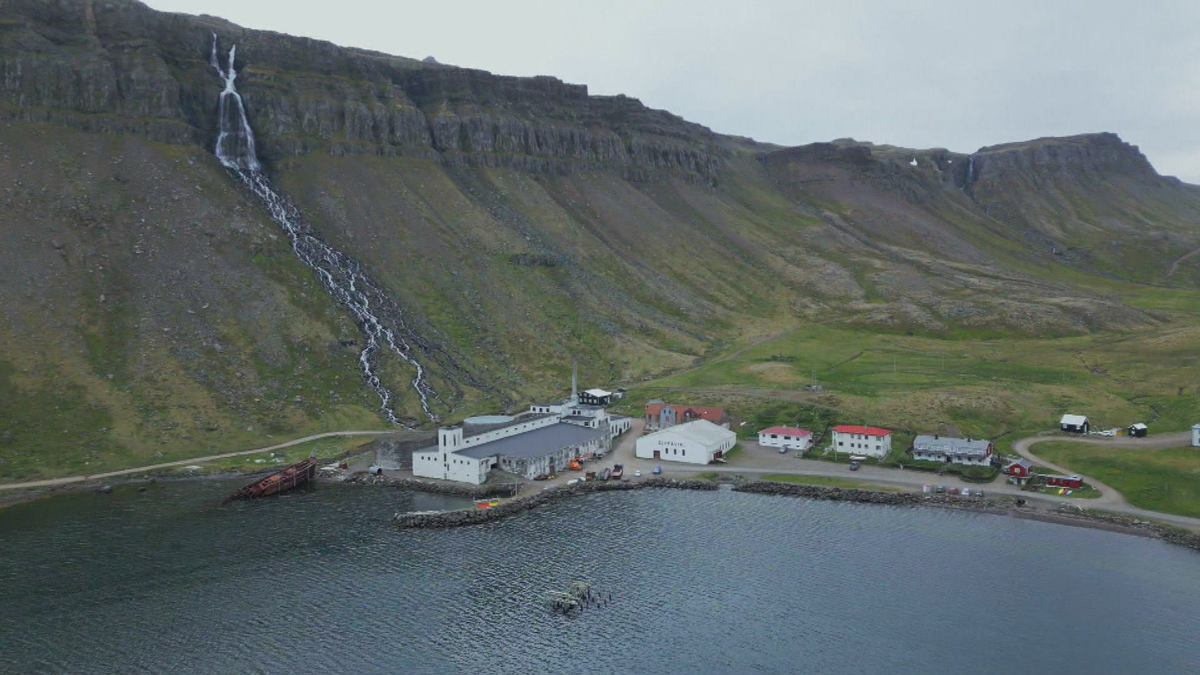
<point x="657" y="454"/>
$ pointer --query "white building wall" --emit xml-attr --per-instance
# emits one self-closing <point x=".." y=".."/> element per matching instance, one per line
<point x="781" y="440"/>
<point x="445" y="465"/>
<point x="862" y="444"/>
<point x="679" y="448"/>
<point x="954" y="459"/>
<point x="449" y="441"/>
<point x="1196" y="436"/>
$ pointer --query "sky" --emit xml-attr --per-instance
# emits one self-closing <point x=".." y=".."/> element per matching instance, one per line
<point x="918" y="73"/>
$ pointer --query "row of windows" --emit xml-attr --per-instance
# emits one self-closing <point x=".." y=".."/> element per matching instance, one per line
<point x="864" y="446"/>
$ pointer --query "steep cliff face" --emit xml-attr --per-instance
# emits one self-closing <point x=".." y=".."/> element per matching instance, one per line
<point x="119" y="66"/>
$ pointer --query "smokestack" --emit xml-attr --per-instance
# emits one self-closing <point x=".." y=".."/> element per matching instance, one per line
<point x="574" y="381"/>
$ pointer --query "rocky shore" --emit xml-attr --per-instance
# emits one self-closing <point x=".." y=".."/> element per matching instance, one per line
<point x="434" y="487"/>
<point x="1064" y="514"/>
<point x="461" y="517"/>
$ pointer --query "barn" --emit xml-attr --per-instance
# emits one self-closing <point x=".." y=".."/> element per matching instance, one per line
<point x="1018" y="471"/>
<point x="1138" y="430"/>
<point x="1075" y="424"/>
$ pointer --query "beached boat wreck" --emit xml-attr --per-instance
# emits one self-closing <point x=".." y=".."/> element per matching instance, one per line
<point x="281" y="481"/>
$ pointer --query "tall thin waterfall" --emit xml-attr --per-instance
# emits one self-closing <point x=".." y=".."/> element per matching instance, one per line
<point x="380" y="318"/>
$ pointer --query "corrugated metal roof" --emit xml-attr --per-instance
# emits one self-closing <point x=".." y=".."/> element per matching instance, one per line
<point x="786" y="431"/>
<point x="701" y="431"/>
<point x="856" y="429"/>
<point x="951" y="446"/>
<point x="1073" y="420"/>
<point x="535" y="443"/>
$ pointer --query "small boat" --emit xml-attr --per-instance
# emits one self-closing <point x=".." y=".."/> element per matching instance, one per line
<point x="281" y="481"/>
<point x="487" y="503"/>
<point x="618" y="472"/>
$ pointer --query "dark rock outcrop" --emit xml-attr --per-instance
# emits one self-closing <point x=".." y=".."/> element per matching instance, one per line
<point x="119" y="66"/>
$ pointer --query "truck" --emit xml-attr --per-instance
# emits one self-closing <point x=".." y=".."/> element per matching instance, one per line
<point x="618" y="472"/>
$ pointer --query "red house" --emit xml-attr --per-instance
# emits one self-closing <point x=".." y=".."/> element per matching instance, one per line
<point x="1074" y="482"/>
<point x="1018" y="471"/>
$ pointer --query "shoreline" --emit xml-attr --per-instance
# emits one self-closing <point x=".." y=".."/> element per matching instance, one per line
<point x="1071" y="516"/>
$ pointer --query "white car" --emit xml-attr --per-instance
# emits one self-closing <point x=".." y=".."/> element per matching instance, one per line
<point x="637" y="474"/>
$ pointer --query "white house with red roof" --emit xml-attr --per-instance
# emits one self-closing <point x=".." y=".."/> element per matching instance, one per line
<point x="792" y="438"/>
<point x="862" y="440"/>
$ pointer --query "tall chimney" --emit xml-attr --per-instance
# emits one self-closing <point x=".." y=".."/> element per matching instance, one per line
<point x="575" y="381"/>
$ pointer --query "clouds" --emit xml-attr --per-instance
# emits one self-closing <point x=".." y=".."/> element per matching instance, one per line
<point x="919" y="73"/>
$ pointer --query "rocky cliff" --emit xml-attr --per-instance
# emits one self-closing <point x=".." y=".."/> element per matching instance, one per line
<point x="116" y="65"/>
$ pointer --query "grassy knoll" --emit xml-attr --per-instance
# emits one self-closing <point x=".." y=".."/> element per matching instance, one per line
<point x="828" y="481"/>
<point x="1160" y="480"/>
<point x="324" y="448"/>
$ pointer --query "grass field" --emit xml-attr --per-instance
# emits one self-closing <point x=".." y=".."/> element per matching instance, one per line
<point x="989" y="388"/>
<point x="1159" y="480"/>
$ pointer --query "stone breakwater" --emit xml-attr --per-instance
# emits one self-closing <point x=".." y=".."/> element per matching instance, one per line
<point x="1065" y="514"/>
<point x="434" y="487"/>
<point x="459" y="518"/>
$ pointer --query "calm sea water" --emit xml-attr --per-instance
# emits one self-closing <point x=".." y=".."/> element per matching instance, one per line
<point x="166" y="581"/>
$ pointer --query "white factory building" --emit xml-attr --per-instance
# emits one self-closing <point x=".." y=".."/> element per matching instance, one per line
<point x="541" y="441"/>
<point x="698" y="442"/>
<point x="792" y="438"/>
<point x="862" y="440"/>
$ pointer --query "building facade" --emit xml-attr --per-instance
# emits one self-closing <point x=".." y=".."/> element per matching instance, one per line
<point x="1075" y="424"/>
<point x="792" y="438"/>
<point x="1018" y="471"/>
<point x="695" y="442"/>
<point x="1196" y="436"/>
<point x="595" y="397"/>
<point x="1138" y="430"/>
<point x="952" y="450"/>
<point x="527" y="448"/>
<point x="661" y="415"/>
<point x="862" y="440"/>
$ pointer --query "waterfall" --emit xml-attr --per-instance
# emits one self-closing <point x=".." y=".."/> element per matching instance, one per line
<point x="378" y="316"/>
<point x="970" y="170"/>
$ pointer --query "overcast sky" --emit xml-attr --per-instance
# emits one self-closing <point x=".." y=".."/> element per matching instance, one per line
<point x="918" y="73"/>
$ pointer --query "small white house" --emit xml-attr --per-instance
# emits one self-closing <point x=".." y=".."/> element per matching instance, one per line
<point x="698" y="442"/>
<point x="792" y="438"/>
<point x="1075" y="424"/>
<point x="1196" y="436"/>
<point x="862" y="440"/>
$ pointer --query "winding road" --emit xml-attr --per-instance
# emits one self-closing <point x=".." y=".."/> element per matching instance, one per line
<point x="57" y="482"/>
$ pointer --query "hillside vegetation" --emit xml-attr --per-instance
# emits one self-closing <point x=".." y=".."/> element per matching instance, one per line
<point x="152" y="309"/>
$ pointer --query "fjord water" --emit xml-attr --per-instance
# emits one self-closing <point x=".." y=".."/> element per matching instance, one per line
<point x="168" y="581"/>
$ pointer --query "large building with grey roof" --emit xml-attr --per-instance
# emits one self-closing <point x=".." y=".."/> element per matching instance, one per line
<point x="966" y="451"/>
<point x="541" y="441"/>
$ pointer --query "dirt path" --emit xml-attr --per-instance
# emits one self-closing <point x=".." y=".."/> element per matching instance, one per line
<point x="55" y="482"/>
<point x="1175" y="265"/>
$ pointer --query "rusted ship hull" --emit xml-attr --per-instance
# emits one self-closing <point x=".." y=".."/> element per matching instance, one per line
<point x="281" y="481"/>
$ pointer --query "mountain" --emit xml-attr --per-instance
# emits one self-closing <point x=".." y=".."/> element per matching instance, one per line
<point x="153" y="307"/>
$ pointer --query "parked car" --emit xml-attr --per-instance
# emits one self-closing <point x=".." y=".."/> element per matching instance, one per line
<point x="854" y="466"/>
<point x="637" y="474"/>
<point x="941" y="489"/>
<point x="979" y="493"/>
<point x="657" y="470"/>
<point x="953" y="490"/>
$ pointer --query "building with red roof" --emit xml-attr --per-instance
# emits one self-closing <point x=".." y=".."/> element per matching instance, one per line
<point x="862" y="440"/>
<point x="787" y="438"/>
<point x="660" y="415"/>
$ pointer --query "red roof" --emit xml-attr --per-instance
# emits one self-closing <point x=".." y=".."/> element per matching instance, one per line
<point x="856" y="429"/>
<point x="715" y="415"/>
<point x="787" y="431"/>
